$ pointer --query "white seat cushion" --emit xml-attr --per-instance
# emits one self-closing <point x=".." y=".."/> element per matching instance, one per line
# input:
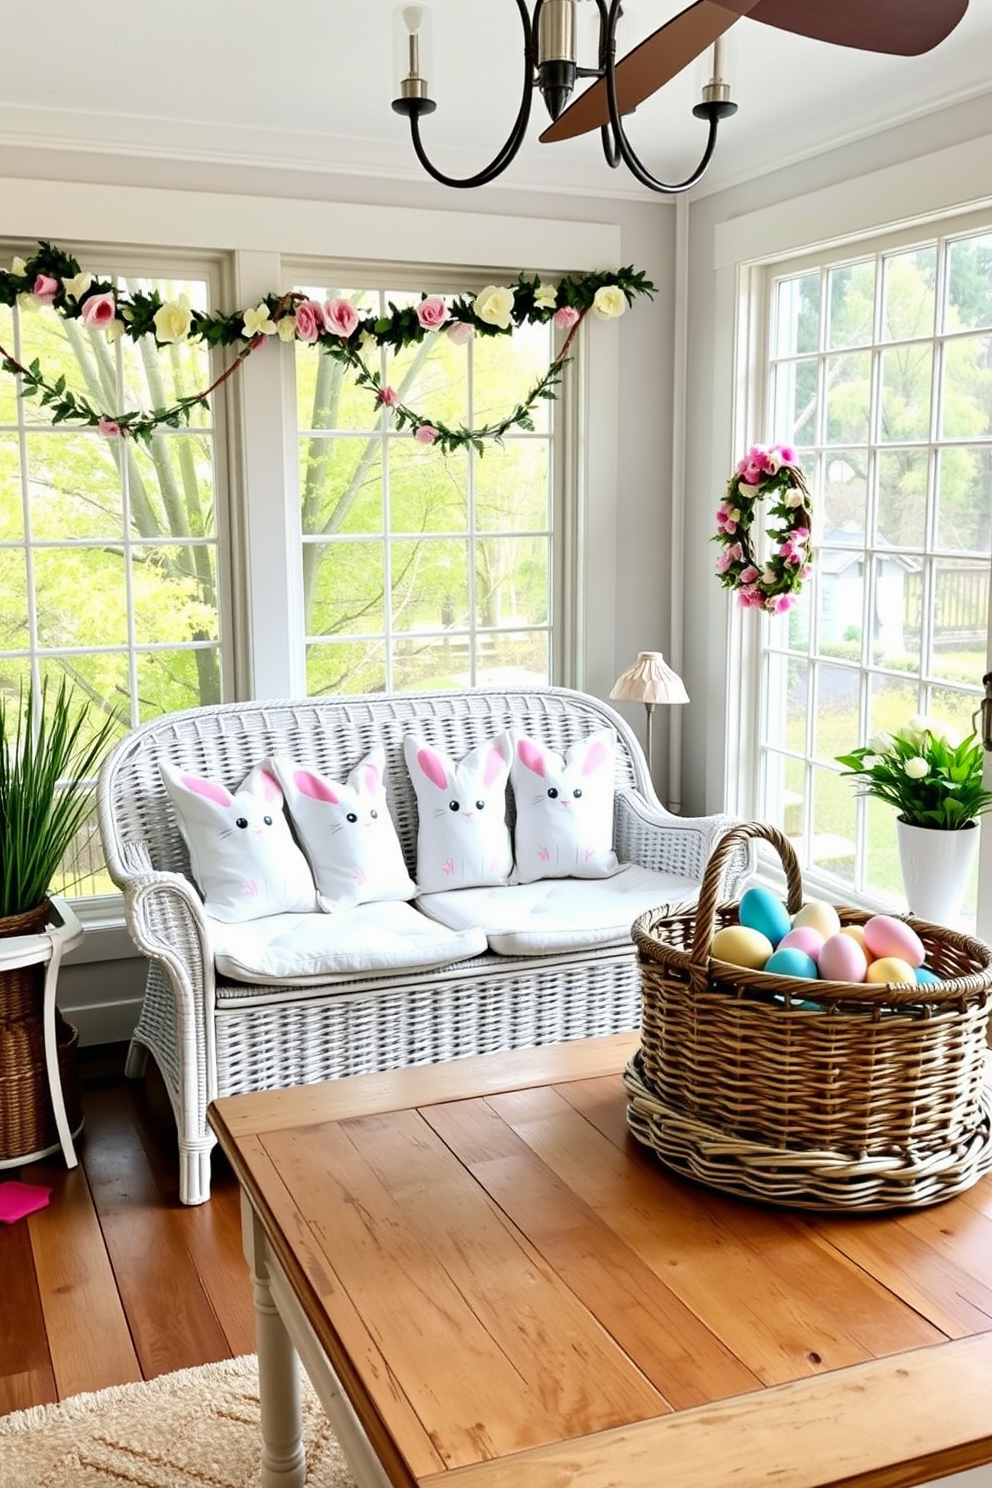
<point x="367" y="940"/>
<point x="559" y="914"/>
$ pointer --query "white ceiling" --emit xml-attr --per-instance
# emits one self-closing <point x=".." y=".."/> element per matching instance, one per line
<point x="308" y="83"/>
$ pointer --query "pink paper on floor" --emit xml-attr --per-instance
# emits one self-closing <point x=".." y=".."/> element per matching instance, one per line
<point x="18" y="1199"/>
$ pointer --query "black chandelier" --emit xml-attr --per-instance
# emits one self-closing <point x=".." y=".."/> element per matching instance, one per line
<point x="550" y="65"/>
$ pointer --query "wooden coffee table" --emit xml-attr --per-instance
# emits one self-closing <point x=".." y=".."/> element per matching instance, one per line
<point x="491" y="1285"/>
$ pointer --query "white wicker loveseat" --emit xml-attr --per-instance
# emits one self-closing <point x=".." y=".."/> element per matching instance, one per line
<point x="212" y="1035"/>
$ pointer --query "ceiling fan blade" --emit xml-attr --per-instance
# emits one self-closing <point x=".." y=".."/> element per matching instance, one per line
<point x="660" y="57"/>
<point x="902" y="28"/>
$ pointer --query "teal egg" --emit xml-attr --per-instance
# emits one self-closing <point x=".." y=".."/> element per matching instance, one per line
<point x="763" y="911"/>
<point x="791" y="961"/>
<point x="924" y="974"/>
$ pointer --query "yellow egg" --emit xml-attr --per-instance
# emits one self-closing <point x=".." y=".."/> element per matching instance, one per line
<point x="741" y="946"/>
<point x="821" y="915"/>
<point x="857" y="932"/>
<point x="890" y="969"/>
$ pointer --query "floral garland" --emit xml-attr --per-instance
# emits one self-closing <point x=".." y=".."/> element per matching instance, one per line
<point x="52" y="277"/>
<point x="765" y="472"/>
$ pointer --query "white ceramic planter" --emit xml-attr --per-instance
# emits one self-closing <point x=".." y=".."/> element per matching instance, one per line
<point x="936" y="867"/>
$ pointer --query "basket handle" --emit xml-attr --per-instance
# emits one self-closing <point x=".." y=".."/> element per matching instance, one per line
<point x="706" y="904"/>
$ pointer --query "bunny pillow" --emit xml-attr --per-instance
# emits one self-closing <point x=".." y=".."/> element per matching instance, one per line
<point x="564" y="825"/>
<point x="241" y="851"/>
<point x="347" y="833"/>
<point x="462" y="837"/>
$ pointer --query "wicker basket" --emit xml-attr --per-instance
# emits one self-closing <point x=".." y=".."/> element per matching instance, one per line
<point x="821" y="1095"/>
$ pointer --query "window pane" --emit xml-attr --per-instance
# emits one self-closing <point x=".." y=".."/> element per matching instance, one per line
<point x="960" y="621"/>
<point x="968" y="304"/>
<point x="965" y="404"/>
<point x="168" y="584"/>
<point x="844" y="499"/>
<point x="848" y="398"/>
<point x="74" y="489"/>
<point x="341" y="485"/>
<point x="169" y="680"/>
<point x="427" y="494"/>
<point x="353" y="666"/>
<point x="797" y="315"/>
<point x="344" y="588"/>
<point x="851" y="296"/>
<point x="900" y="518"/>
<point x="964" y="510"/>
<point x="908" y="301"/>
<point x="8" y="387"/>
<point x="794" y="399"/>
<point x="833" y="843"/>
<point x="906" y="373"/>
<point x="11" y="497"/>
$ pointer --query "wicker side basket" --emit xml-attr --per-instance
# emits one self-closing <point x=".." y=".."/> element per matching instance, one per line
<point x="821" y="1095"/>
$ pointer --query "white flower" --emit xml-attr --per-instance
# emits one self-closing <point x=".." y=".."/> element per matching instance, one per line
<point x="286" y="327"/>
<point x="115" y="330"/>
<point x="77" y="286"/>
<point x="495" y="306"/>
<point x="748" y="491"/>
<point x="609" y="301"/>
<point x="26" y="301"/>
<point x="173" y="320"/>
<point x="258" y="323"/>
<point x="881" y="743"/>
<point x="546" y="296"/>
<point x="872" y="761"/>
<point x="18" y="266"/>
<point x="916" y="767"/>
<point x="793" y="496"/>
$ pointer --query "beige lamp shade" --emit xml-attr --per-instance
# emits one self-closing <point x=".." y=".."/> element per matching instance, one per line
<point x="650" y="680"/>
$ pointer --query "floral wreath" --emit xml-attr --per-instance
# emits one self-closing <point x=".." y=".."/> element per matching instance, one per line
<point x="53" y="277"/>
<point x="765" y="472"/>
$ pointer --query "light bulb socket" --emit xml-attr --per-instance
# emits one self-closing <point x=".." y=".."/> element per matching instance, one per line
<point x="412" y="59"/>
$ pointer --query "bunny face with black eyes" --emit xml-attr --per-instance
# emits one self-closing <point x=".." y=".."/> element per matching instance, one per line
<point x="462" y="837"/>
<point x="241" y="850"/>
<point x="347" y="833"/>
<point x="564" y="825"/>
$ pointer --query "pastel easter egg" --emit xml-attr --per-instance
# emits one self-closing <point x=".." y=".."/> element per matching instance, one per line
<point x="791" y="961"/>
<point x="763" y="911"/>
<point x="842" y="959"/>
<point x="925" y="976"/>
<point x="804" y="938"/>
<point x="857" y="933"/>
<point x="821" y="915"/>
<point x="741" y="946"/>
<point x="887" y="936"/>
<point x="890" y="969"/>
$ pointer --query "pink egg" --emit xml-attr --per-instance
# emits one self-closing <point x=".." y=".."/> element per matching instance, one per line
<point x="842" y="960"/>
<point x="803" y="938"/>
<point x="887" y="936"/>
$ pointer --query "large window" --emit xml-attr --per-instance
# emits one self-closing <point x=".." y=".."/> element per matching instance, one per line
<point x="879" y="371"/>
<point x="109" y="566"/>
<point x="424" y="570"/>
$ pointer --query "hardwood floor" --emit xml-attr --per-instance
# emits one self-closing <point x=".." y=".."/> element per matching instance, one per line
<point x="116" y="1280"/>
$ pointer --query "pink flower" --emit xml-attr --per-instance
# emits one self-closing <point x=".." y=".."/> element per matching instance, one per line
<point x="389" y="396"/>
<point x="425" y="434"/>
<point x="724" y="521"/>
<point x="98" y="310"/>
<point x="460" y="331"/>
<point x="750" y="599"/>
<point x="45" y="288"/>
<point x="723" y="562"/>
<point x="749" y="574"/>
<point x="793" y="550"/>
<point x="432" y="312"/>
<point x="786" y="454"/>
<point x="752" y="470"/>
<point x="109" y="427"/>
<point x="735" y="553"/>
<point x="779" y="603"/>
<point x="309" y="320"/>
<point x="566" y="317"/>
<point x="340" y="317"/>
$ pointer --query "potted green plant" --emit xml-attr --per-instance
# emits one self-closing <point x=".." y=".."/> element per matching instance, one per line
<point x="933" y="778"/>
<point x="47" y="751"/>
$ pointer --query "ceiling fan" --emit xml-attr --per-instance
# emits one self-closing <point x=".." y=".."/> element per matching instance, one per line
<point x="898" y="27"/>
<point x="904" y="28"/>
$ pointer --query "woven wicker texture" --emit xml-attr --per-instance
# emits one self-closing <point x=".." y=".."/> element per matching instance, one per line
<point x="211" y="1038"/>
<point x="27" y="1122"/>
<point x="819" y="1094"/>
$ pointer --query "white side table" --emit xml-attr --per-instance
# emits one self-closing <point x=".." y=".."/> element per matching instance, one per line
<point x="47" y="947"/>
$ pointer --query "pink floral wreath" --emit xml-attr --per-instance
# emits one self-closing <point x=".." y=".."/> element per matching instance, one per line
<point x="765" y="472"/>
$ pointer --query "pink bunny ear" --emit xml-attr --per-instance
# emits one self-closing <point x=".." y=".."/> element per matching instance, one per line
<point x="532" y="756"/>
<point x="495" y="763"/>
<point x="596" y="757"/>
<point x="368" y="779"/>
<point x="270" y="787"/>
<point x="433" y="767"/>
<point x="207" y="788"/>
<point x="312" y="785"/>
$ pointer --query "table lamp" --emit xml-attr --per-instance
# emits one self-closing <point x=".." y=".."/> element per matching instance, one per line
<point x="649" y="681"/>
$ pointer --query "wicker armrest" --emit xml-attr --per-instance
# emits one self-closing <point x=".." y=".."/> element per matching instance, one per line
<point x="676" y="844"/>
<point x="166" y="921"/>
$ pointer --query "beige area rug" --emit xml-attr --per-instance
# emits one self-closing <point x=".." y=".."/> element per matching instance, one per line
<point x="195" y="1429"/>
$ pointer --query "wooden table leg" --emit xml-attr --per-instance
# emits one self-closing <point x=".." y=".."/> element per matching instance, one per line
<point x="283" y="1458"/>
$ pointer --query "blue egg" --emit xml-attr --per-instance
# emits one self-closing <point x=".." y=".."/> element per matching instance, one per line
<point x="924" y="974"/>
<point x="793" y="962"/>
<point x="761" y="910"/>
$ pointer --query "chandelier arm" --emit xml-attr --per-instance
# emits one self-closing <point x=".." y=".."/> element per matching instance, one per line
<point x="611" y="151"/>
<point x="622" y="143"/>
<point x="515" y="138"/>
